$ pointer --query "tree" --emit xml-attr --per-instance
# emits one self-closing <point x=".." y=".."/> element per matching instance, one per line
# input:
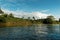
<point x="49" y="20"/>
<point x="11" y="15"/>
<point x="28" y="18"/>
<point x="59" y="19"/>
<point x="23" y="17"/>
<point x="2" y="19"/>
<point x="51" y="17"/>
<point x="4" y="15"/>
<point x="1" y="12"/>
<point x="33" y="18"/>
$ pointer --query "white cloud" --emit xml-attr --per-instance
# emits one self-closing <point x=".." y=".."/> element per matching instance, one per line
<point x="19" y="13"/>
<point x="45" y="10"/>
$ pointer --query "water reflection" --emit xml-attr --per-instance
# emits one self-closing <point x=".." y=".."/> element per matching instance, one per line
<point x="33" y="32"/>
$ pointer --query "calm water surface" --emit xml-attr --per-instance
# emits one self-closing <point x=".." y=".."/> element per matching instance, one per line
<point x="33" y="32"/>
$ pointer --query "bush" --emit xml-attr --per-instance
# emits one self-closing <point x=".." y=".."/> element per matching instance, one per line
<point x="2" y="19"/>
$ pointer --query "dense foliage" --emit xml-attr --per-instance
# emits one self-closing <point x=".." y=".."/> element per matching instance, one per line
<point x="10" y="19"/>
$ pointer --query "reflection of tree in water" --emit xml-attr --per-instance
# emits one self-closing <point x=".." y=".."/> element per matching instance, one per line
<point x="31" y="30"/>
<point x="50" y="28"/>
<point x="53" y="29"/>
<point x="59" y="28"/>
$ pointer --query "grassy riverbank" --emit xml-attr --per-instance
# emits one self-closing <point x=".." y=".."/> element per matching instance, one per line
<point x="10" y="20"/>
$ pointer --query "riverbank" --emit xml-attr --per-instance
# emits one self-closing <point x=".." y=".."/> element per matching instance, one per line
<point x="13" y="21"/>
<point x="9" y="24"/>
<point x="21" y="23"/>
<point x="8" y="20"/>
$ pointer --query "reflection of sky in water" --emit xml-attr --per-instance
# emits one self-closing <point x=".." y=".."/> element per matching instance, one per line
<point x="31" y="32"/>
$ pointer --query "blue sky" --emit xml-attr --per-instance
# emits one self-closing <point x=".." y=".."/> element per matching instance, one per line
<point x="45" y="6"/>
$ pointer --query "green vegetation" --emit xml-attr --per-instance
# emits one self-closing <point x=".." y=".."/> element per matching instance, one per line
<point x="49" y="20"/>
<point x="10" y="20"/>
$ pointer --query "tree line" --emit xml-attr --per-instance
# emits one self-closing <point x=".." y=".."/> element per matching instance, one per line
<point x="49" y="20"/>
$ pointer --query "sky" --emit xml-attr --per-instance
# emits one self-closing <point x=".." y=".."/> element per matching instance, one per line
<point x="37" y="8"/>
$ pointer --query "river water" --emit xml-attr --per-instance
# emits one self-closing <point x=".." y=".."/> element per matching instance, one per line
<point x="32" y="32"/>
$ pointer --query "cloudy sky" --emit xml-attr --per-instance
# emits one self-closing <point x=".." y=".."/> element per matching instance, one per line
<point x="37" y="8"/>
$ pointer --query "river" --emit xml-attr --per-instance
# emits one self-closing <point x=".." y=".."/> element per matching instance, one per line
<point x="32" y="32"/>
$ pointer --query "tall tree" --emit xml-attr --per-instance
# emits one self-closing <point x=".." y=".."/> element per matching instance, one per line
<point x="11" y="15"/>
<point x="28" y="18"/>
<point x="33" y="18"/>
<point x="49" y="20"/>
<point x="59" y="19"/>
<point x="51" y="17"/>
<point x="4" y="15"/>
